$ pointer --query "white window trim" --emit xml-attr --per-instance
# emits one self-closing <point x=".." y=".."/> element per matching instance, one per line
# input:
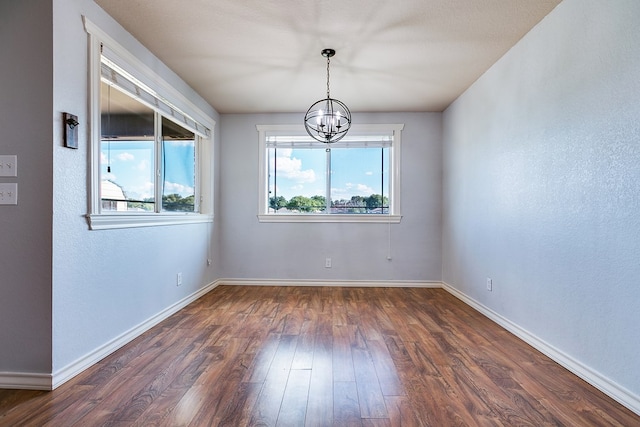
<point x="394" y="216"/>
<point x="124" y="220"/>
<point x="360" y="218"/>
<point x="204" y="182"/>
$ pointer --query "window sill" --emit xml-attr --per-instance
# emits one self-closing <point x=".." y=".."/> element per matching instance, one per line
<point x="123" y="220"/>
<point x="371" y="218"/>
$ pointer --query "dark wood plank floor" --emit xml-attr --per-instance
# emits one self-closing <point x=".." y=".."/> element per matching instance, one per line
<point x="304" y="356"/>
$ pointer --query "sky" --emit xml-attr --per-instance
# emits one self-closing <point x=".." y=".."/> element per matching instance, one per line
<point x="302" y="172"/>
<point x="132" y="167"/>
<point x="355" y="171"/>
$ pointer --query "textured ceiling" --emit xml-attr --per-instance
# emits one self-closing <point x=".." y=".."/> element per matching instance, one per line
<point x="264" y="55"/>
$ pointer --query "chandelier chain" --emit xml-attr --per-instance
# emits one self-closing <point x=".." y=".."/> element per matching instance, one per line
<point x="328" y="61"/>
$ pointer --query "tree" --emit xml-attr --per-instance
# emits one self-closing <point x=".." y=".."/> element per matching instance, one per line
<point x="319" y="203"/>
<point x="376" y="201"/>
<point x="176" y="203"/>
<point x="299" y="203"/>
<point x="356" y="205"/>
<point x="357" y="201"/>
<point x="276" y="203"/>
<point x="144" y="205"/>
<point x="306" y="204"/>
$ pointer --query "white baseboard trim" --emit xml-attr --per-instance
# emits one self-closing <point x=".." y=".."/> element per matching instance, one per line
<point x="605" y="385"/>
<point x="25" y="381"/>
<point x="65" y="374"/>
<point x="334" y="283"/>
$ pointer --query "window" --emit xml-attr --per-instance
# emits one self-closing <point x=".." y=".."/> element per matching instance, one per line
<point x="148" y="156"/>
<point x="353" y="180"/>
<point x="132" y="156"/>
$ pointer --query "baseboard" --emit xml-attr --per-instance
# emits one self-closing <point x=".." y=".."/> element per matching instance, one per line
<point x="605" y="385"/>
<point x="334" y="283"/>
<point x="65" y="374"/>
<point x="25" y="381"/>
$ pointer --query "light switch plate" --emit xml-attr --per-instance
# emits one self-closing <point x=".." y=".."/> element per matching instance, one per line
<point x="9" y="165"/>
<point x="9" y="193"/>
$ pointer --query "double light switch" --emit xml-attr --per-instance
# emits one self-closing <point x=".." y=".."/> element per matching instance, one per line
<point x="9" y="190"/>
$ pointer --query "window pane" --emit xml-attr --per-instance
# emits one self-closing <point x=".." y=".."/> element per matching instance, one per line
<point x="296" y="180"/>
<point x="127" y="161"/>
<point x="178" y="168"/>
<point x="360" y="180"/>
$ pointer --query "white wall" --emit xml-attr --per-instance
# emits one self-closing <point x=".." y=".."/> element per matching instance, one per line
<point x="542" y="187"/>
<point x="26" y="97"/>
<point x="297" y="251"/>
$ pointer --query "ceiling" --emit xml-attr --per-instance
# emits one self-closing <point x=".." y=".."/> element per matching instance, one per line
<point x="263" y="56"/>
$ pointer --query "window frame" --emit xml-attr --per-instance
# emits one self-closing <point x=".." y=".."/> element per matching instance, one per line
<point x="394" y="216"/>
<point x="201" y="123"/>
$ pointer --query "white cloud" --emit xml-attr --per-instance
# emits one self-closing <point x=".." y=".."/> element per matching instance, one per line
<point x="183" y="190"/>
<point x="125" y="157"/>
<point x="291" y="168"/>
<point x="369" y="173"/>
<point x="285" y="152"/>
<point x="364" y="190"/>
<point x="351" y="189"/>
<point x="141" y="192"/>
<point x="143" y="165"/>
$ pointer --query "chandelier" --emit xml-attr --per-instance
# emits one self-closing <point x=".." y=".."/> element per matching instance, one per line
<point x="327" y="120"/>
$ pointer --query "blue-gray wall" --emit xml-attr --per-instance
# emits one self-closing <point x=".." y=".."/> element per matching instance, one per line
<point x="297" y="251"/>
<point x="66" y="291"/>
<point x="26" y="98"/>
<point x="106" y="282"/>
<point x="542" y="187"/>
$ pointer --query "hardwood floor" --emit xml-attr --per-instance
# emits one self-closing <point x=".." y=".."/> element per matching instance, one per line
<point x="303" y="356"/>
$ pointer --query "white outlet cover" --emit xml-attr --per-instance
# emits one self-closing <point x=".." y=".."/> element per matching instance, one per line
<point x="9" y="193"/>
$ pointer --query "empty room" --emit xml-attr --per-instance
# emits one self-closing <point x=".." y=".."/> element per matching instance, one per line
<point x="319" y="213"/>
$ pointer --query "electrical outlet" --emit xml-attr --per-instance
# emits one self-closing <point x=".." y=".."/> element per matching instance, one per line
<point x="327" y="263"/>
<point x="179" y="279"/>
<point x="9" y="166"/>
<point x="489" y="284"/>
<point x="208" y="262"/>
<point x="9" y="194"/>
